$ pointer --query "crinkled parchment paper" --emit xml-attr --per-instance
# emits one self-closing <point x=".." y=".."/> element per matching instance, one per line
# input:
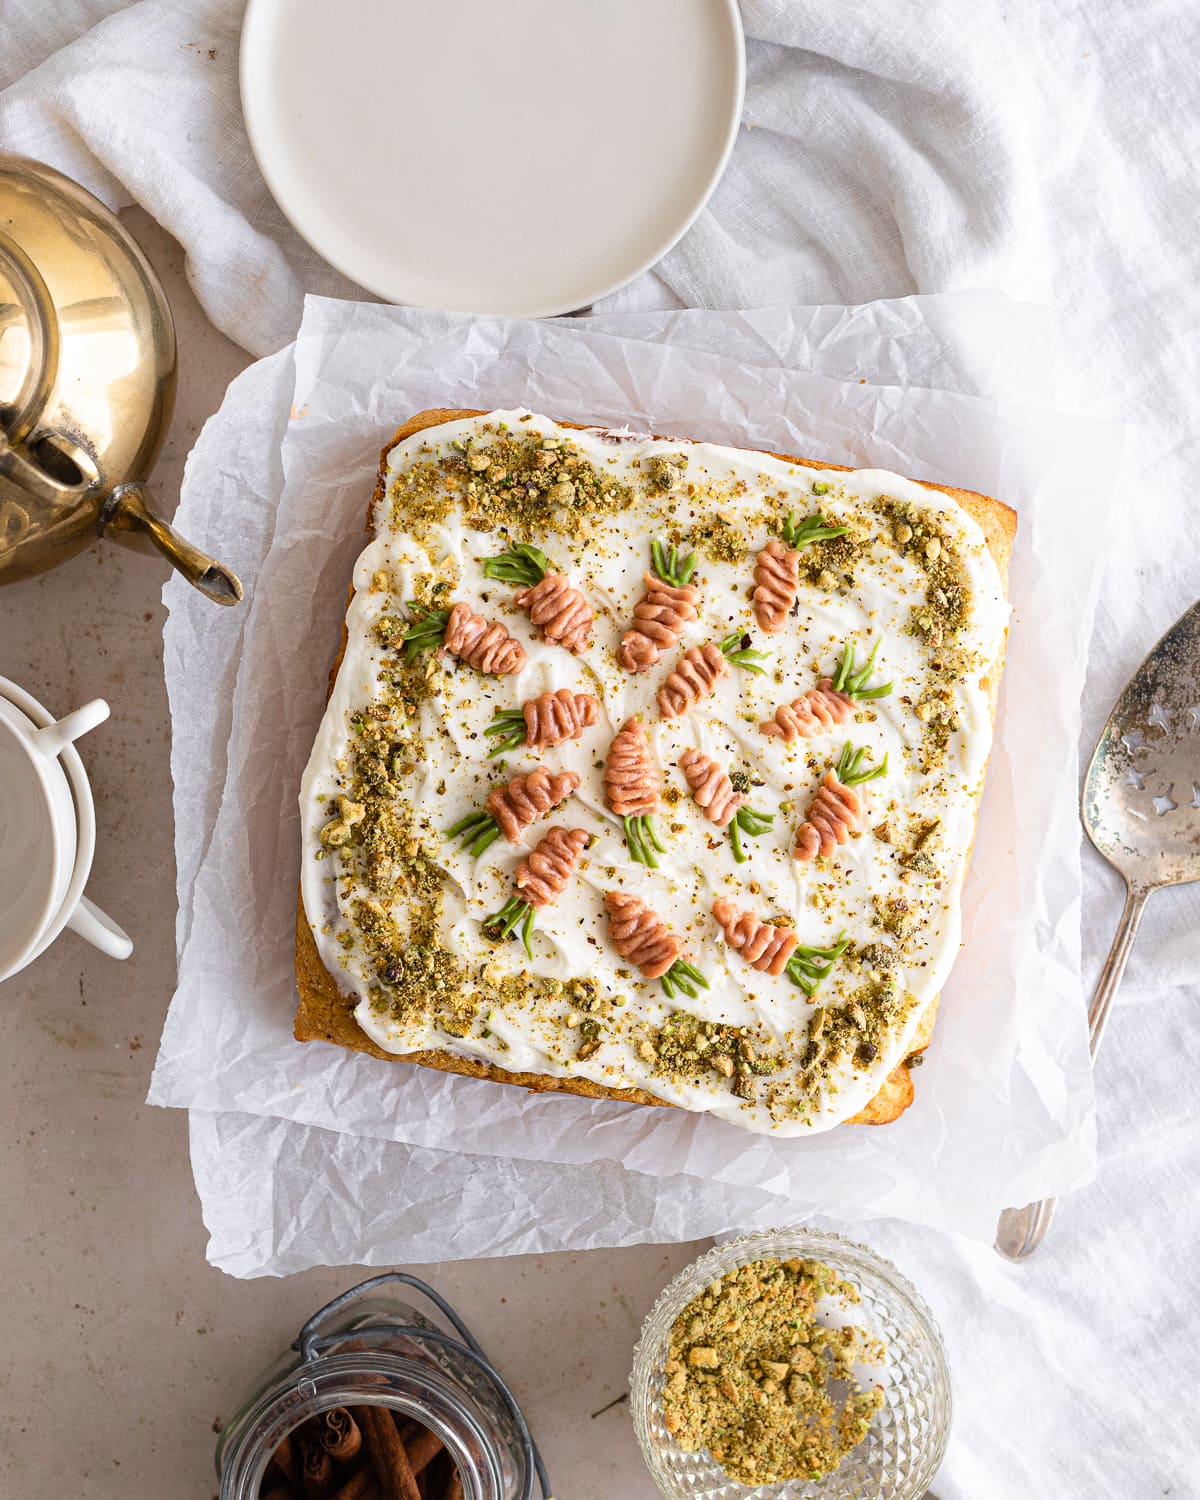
<point x="305" y="1154"/>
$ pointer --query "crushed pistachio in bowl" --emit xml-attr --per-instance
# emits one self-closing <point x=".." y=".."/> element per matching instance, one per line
<point x="791" y="1365"/>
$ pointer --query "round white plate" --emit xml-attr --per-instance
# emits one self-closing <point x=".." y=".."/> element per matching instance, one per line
<point x="521" y="158"/>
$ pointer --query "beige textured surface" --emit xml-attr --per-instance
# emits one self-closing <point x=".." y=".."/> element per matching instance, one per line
<point x="122" y="1347"/>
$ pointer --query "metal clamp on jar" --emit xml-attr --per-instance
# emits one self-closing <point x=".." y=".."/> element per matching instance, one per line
<point x="369" y="1347"/>
<point x="87" y="382"/>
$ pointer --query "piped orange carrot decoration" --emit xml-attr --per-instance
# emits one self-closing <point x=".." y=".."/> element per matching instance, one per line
<point x="541" y="722"/>
<point x="483" y="644"/>
<point x="713" y="793"/>
<point x="640" y="935"/>
<point x="700" y="668"/>
<point x="663" y="612"/>
<point x="632" y="789"/>
<point x="775" y="949"/>
<point x="541" y="879"/>
<point x="511" y="808"/>
<point x="777" y="570"/>
<point x="559" y="610"/>
<point x="836" y="808"/>
<point x="830" y="703"/>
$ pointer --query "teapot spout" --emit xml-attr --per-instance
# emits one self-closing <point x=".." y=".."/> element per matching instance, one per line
<point x="129" y="520"/>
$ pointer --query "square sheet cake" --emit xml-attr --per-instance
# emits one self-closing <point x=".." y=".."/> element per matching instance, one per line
<point x="650" y="769"/>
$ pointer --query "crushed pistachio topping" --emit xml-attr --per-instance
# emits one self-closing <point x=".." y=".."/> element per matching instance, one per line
<point x="940" y="618"/>
<point x="374" y="837"/>
<point x="721" y="538"/>
<point x="756" y="1374"/>
<point x="665" y="471"/>
<point x="501" y="479"/>
<point x="685" y="1045"/>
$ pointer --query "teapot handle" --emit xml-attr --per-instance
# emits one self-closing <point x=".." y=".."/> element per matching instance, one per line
<point x="34" y="480"/>
<point x="128" y="519"/>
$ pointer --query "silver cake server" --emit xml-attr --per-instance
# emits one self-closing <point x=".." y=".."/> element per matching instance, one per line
<point x="1141" y="809"/>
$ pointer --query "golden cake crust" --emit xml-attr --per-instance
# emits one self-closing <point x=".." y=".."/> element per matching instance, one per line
<point x="325" y="1014"/>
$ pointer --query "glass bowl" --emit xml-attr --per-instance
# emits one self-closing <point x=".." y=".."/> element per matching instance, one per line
<point x="907" y="1438"/>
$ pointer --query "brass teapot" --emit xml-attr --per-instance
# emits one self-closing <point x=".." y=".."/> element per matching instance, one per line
<point x="87" y="382"/>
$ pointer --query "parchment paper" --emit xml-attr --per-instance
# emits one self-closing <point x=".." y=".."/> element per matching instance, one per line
<point x="1004" y="1105"/>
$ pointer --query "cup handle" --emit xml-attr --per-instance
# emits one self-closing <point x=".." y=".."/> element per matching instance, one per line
<point x="99" y="929"/>
<point x="55" y="738"/>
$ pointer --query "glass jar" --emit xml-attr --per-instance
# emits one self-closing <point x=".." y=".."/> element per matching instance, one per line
<point x="369" y="1347"/>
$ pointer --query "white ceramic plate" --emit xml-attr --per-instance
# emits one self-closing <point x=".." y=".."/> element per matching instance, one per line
<point x="521" y="158"/>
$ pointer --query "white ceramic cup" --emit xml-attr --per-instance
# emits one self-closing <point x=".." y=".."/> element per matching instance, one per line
<point x="47" y="832"/>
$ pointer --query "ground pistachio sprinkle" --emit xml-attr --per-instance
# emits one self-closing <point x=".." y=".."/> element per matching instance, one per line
<point x="515" y="481"/>
<point x="751" y="1373"/>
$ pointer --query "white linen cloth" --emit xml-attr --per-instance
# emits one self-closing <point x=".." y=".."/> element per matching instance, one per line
<point x="1046" y="149"/>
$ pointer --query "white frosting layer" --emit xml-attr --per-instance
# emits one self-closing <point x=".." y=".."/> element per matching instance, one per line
<point x="825" y="898"/>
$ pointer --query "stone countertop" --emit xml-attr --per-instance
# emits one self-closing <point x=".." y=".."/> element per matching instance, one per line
<point x="124" y="1349"/>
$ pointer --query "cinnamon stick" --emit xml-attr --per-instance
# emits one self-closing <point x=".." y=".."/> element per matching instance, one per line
<point x="316" y="1467"/>
<point x="454" y="1490"/>
<point x="339" y="1435"/>
<point x="279" y="1492"/>
<point x="287" y="1460"/>
<point x="422" y="1449"/>
<point x="360" y="1486"/>
<point x="422" y="1446"/>
<point x="384" y="1448"/>
<point x="435" y="1477"/>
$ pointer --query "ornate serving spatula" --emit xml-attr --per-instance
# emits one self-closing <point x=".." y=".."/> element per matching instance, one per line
<point x="1141" y="809"/>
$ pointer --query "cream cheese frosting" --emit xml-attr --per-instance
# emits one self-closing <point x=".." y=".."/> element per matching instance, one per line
<point x="404" y="749"/>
